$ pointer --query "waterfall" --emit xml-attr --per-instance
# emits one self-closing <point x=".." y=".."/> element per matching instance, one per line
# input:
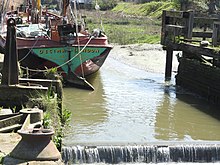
<point x="201" y="153"/>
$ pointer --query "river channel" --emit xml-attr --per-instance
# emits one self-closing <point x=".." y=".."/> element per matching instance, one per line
<point x="134" y="106"/>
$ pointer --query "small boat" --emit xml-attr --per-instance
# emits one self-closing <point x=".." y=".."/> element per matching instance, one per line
<point x="48" y="42"/>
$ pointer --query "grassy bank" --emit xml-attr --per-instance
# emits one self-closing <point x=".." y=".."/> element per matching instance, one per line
<point x="130" y="23"/>
<point x="152" y="9"/>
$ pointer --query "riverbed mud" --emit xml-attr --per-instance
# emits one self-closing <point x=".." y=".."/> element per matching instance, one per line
<point x="148" y="57"/>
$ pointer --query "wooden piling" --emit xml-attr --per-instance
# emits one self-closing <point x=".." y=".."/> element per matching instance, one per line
<point x="169" y="60"/>
<point x="216" y="33"/>
<point x="199" y="65"/>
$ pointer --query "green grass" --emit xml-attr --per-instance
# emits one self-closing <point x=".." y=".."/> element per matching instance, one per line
<point x="130" y="23"/>
<point x="151" y="9"/>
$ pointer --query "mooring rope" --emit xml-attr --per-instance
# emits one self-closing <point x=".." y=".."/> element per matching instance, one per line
<point x="45" y="70"/>
<point x="29" y="51"/>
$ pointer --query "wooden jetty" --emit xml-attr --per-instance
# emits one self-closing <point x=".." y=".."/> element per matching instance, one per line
<point x="198" y="40"/>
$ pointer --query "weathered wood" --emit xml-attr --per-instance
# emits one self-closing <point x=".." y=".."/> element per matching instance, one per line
<point x="176" y="14"/>
<point x="189" y="25"/>
<point x="176" y="24"/>
<point x="202" y="34"/>
<point x="197" y="50"/>
<point x="202" y="21"/>
<point x="173" y="31"/>
<point x="200" y="78"/>
<point x="163" y="28"/>
<point x="169" y="59"/>
<point x="174" y="28"/>
<point x="182" y="24"/>
<point x="216" y="33"/>
<point x="196" y="70"/>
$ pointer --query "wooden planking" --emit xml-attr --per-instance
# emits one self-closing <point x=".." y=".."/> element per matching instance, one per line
<point x="193" y="49"/>
<point x="199" y="77"/>
<point x="201" y="21"/>
<point x="176" y="14"/>
<point x="202" y="34"/>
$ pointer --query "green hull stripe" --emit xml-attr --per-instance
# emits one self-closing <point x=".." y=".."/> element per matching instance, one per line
<point x="61" y="55"/>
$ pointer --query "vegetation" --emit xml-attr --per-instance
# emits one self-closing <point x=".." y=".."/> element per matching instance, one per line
<point x="130" y="23"/>
<point x="54" y="118"/>
<point x="152" y="9"/>
<point x="140" y="22"/>
<point x="105" y="4"/>
<point x="1" y="158"/>
<point x="59" y="122"/>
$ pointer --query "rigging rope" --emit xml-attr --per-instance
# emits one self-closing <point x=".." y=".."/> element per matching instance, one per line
<point x="77" y="31"/>
<point x="79" y="51"/>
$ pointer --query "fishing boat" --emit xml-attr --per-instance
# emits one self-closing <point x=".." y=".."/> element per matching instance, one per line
<point x="48" y="42"/>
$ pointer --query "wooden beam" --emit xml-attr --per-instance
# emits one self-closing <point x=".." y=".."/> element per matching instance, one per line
<point x="197" y="50"/>
<point x="176" y="14"/>
<point x="202" y="34"/>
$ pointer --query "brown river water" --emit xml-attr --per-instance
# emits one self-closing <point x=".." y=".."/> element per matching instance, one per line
<point x="135" y="106"/>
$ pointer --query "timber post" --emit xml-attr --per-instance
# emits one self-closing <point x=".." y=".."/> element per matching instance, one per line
<point x="216" y="33"/>
<point x="169" y="60"/>
<point x="174" y="26"/>
<point x="189" y="24"/>
<point x="198" y="38"/>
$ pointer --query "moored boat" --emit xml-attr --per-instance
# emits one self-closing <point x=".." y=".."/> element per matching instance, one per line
<point x="47" y="41"/>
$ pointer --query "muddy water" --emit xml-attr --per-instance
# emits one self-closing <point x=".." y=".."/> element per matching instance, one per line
<point x="134" y="106"/>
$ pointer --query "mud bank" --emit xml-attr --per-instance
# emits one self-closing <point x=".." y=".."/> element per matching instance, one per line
<point x="148" y="57"/>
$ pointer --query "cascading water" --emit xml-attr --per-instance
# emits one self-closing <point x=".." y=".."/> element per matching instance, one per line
<point x="142" y="153"/>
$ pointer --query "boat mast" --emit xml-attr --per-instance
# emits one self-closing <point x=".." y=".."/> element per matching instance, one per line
<point x="39" y="5"/>
<point x="39" y="9"/>
<point x="35" y="11"/>
<point x="64" y="7"/>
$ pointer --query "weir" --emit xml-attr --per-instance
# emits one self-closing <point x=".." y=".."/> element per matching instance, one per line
<point x="208" y="152"/>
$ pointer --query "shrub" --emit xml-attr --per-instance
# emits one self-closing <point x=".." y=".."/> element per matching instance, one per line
<point x="106" y="4"/>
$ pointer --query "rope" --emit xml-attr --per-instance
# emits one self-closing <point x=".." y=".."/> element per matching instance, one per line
<point x="34" y="70"/>
<point x="78" y="54"/>
<point x="77" y="31"/>
<point x="29" y="51"/>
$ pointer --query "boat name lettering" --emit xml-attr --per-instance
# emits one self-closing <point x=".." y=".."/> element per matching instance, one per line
<point x="89" y="51"/>
<point x="51" y="51"/>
